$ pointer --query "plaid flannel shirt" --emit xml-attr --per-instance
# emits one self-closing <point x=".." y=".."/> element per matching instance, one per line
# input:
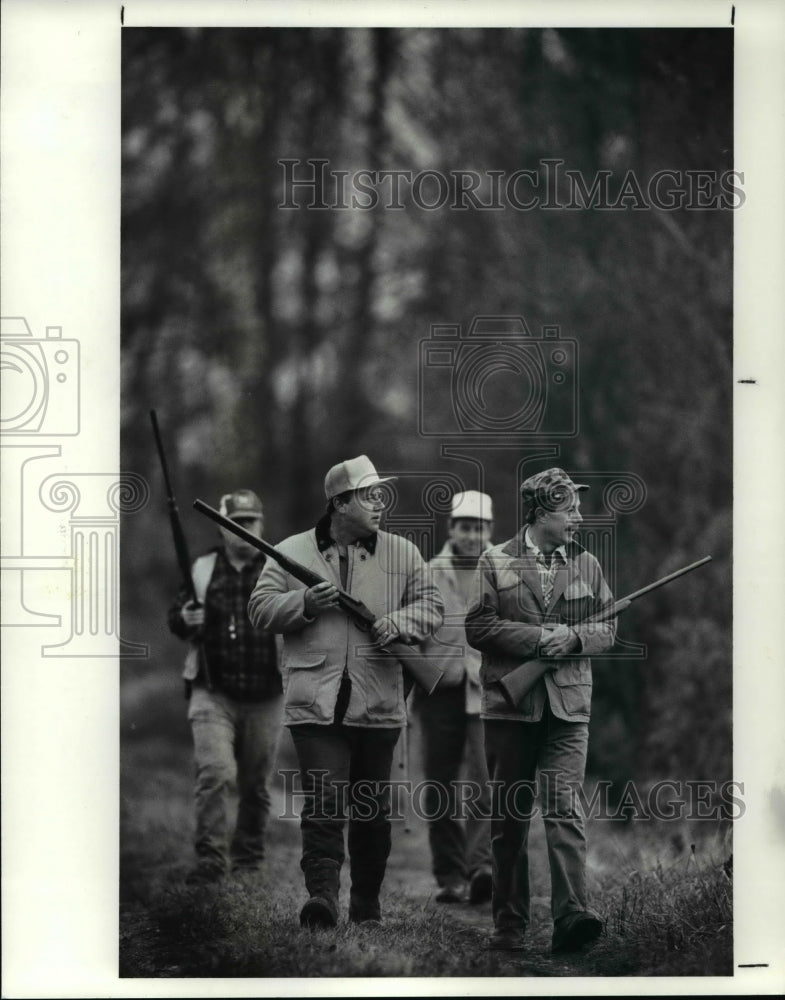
<point x="243" y="660"/>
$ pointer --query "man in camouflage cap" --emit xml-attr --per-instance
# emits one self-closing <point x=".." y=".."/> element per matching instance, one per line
<point x="532" y="593"/>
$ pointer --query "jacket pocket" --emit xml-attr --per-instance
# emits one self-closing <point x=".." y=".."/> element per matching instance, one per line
<point x="578" y="588"/>
<point x="578" y="602"/>
<point x="302" y="683"/>
<point x="381" y="686"/>
<point x="574" y="683"/>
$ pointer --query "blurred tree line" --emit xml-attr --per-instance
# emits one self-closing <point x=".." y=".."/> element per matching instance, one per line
<point x="275" y="341"/>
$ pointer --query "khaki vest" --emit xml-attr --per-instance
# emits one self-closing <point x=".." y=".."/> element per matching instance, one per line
<point x="201" y="573"/>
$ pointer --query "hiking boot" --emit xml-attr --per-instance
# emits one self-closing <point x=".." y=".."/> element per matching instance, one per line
<point x="364" y="909"/>
<point x="574" y="931"/>
<point x="204" y="874"/>
<point x="319" y="911"/>
<point x="452" y="892"/>
<point x="367" y="881"/>
<point x="322" y="880"/>
<point x="506" y="939"/>
<point x="481" y="886"/>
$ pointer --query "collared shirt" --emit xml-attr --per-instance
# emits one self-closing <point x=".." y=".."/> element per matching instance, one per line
<point x="545" y="567"/>
<point x="243" y="660"/>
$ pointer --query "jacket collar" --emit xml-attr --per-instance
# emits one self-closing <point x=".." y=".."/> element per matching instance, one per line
<point x="516" y="547"/>
<point x="324" y="539"/>
<point x="525" y="563"/>
<point x="530" y="544"/>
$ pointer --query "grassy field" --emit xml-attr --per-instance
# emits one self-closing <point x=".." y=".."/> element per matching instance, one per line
<point x="661" y="890"/>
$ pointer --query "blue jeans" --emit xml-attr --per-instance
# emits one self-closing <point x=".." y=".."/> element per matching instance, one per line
<point x="346" y="768"/>
<point x="516" y="752"/>
<point x="453" y="750"/>
<point x="234" y="741"/>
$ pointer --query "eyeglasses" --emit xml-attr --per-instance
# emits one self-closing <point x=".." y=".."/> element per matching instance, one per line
<point x="372" y="495"/>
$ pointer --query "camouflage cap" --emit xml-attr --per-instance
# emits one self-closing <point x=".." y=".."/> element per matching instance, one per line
<point x="241" y="504"/>
<point x="549" y="489"/>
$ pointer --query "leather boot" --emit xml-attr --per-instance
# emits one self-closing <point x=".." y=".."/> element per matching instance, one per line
<point x="322" y="880"/>
<point x="364" y="908"/>
<point x="364" y="895"/>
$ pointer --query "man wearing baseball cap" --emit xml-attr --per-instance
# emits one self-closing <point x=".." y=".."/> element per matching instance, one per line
<point x="452" y="736"/>
<point x="343" y="695"/>
<point x="532" y="592"/>
<point x="235" y="699"/>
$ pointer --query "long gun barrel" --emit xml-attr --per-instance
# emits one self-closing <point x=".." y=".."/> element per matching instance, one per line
<point x="415" y="666"/>
<point x="178" y="535"/>
<point x="518" y="682"/>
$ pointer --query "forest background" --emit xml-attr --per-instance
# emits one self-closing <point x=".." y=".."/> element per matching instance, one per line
<point x="275" y="341"/>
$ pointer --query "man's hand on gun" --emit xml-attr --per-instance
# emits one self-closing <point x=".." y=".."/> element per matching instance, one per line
<point x="323" y="597"/>
<point x="193" y="615"/>
<point x="559" y="641"/>
<point x="384" y="631"/>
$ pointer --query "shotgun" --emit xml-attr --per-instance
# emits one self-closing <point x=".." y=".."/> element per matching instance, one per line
<point x="518" y="682"/>
<point x="178" y="536"/>
<point x="416" y="667"/>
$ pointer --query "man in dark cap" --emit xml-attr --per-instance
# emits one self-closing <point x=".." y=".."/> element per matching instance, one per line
<point x="235" y="705"/>
<point x="344" y="698"/>
<point x="532" y="592"/>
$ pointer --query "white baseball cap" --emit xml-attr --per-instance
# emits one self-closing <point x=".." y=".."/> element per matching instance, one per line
<point x="353" y="474"/>
<point x="473" y="504"/>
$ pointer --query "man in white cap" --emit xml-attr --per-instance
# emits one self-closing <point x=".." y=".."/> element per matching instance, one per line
<point x="452" y="733"/>
<point x="343" y="695"/>
<point x="533" y="592"/>
<point x="235" y="703"/>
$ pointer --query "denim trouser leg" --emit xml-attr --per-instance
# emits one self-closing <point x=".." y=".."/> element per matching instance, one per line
<point x="256" y="742"/>
<point x="370" y="829"/>
<point x="330" y="757"/>
<point x="323" y="754"/>
<point x="233" y="742"/>
<point x="516" y="751"/>
<point x="212" y="727"/>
